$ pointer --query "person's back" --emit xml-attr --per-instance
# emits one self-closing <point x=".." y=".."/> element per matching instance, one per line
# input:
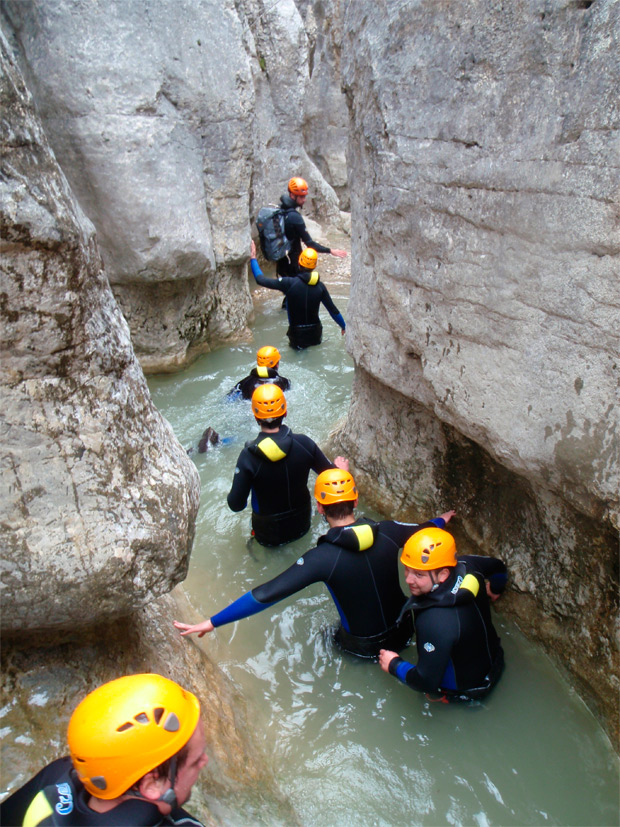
<point x="304" y="294"/>
<point x="265" y="372"/>
<point x="258" y="376"/>
<point x="274" y="468"/>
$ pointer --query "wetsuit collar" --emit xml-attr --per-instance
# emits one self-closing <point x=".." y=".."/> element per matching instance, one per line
<point x="459" y="588"/>
<point x="358" y="536"/>
<point x="273" y="447"/>
<point x="288" y="203"/>
<point x="308" y="276"/>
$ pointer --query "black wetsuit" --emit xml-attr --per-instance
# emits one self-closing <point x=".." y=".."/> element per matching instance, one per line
<point x="260" y="375"/>
<point x="296" y="232"/>
<point x="304" y="294"/>
<point x="55" y="795"/>
<point x="275" y="469"/>
<point x="359" y="565"/>
<point x="459" y="651"/>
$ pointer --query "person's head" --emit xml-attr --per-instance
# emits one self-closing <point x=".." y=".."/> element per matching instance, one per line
<point x="308" y="258"/>
<point x="269" y="405"/>
<point x="429" y="556"/>
<point x="335" y="494"/>
<point x="138" y="736"/>
<point x="268" y="357"/>
<point x="298" y="190"/>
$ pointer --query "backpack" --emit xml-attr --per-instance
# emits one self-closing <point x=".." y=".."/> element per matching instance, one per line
<point x="273" y="241"/>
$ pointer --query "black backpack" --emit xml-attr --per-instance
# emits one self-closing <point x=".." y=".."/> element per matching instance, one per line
<point x="273" y="241"/>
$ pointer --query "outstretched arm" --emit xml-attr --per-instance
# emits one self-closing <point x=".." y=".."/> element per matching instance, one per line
<point x="260" y="277"/>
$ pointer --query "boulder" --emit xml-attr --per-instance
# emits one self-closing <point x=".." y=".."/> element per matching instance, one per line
<point x="98" y="498"/>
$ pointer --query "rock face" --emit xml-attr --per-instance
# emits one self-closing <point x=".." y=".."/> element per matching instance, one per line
<point x="98" y="497"/>
<point x="485" y="293"/>
<point x="174" y="122"/>
<point x="41" y="685"/>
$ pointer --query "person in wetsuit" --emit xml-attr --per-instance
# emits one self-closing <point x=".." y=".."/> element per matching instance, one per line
<point x="274" y="468"/>
<point x="304" y="294"/>
<point x="459" y="651"/>
<point x="295" y="229"/>
<point x="265" y="372"/>
<point x="358" y="562"/>
<point x="136" y="747"/>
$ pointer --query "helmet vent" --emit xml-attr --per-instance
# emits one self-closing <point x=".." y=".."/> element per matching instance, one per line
<point x="99" y="782"/>
<point x="172" y="723"/>
<point x="141" y="718"/>
<point x="157" y="713"/>
<point x="125" y="726"/>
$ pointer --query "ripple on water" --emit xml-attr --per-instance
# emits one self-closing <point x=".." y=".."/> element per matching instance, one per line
<point x="351" y="744"/>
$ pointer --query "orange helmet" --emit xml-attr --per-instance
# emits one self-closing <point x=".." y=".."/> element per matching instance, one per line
<point x="334" y="486"/>
<point x="268" y="402"/>
<point x="297" y="186"/>
<point x="268" y="357"/>
<point x="429" y="548"/>
<point x="126" y="728"/>
<point x="308" y="258"/>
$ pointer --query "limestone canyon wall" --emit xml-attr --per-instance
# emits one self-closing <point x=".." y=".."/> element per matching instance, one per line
<point x="484" y="160"/>
<point x="174" y="122"/>
<point x="98" y="498"/>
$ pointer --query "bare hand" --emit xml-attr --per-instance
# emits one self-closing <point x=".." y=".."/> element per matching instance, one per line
<point x="385" y="658"/>
<point x="339" y="253"/>
<point x="342" y="331"/>
<point x="448" y="516"/>
<point x="492" y="597"/>
<point x="200" y="628"/>
<point x="252" y="249"/>
<point x="342" y="463"/>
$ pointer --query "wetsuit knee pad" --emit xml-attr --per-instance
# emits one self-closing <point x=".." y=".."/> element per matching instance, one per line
<point x="305" y="335"/>
<point x="394" y="638"/>
<point x="277" y="529"/>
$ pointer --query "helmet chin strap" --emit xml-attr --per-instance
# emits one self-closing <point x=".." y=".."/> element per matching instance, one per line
<point x="431" y="574"/>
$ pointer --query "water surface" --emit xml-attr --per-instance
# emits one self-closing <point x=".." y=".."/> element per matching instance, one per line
<point x="350" y="744"/>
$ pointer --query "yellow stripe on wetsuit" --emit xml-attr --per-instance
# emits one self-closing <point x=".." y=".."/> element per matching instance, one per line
<point x="364" y="535"/>
<point x="262" y="371"/>
<point x="314" y="277"/>
<point x="470" y="583"/>
<point x="271" y="449"/>
<point x="39" y="810"/>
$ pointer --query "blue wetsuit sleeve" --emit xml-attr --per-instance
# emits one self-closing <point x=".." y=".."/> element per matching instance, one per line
<point x="264" y="281"/>
<point x="340" y="321"/>
<point x="435" y="632"/>
<point x="244" y="606"/>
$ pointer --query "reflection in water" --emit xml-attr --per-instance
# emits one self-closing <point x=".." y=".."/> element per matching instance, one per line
<point x="351" y="744"/>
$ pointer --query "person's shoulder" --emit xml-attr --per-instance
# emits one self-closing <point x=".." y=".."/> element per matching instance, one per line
<point x="179" y="816"/>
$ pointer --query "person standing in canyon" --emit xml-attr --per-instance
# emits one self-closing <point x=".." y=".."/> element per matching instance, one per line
<point x="304" y="294"/>
<point x="459" y="651"/>
<point x="295" y="229"/>
<point x="358" y="562"/>
<point x="265" y="372"/>
<point x="136" y="748"/>
<point x="274" y="469"/>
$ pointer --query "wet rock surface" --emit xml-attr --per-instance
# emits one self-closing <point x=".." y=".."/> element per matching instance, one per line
<point x="484" y="294"/>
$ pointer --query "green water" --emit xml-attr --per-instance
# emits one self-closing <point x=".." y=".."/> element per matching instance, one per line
<point x="350" y="744"/>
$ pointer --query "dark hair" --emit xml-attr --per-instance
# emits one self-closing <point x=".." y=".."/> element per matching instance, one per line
<point x="272" y="422"/>
<point x="338" y="511"/>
